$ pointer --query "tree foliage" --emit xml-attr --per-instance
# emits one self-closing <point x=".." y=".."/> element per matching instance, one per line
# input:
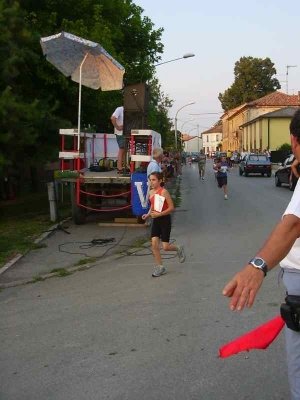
<point x="285" y="147"/>
<point x="253" y="78"/>
<point x="159" y="106"/>
<point x="36" y="99"/>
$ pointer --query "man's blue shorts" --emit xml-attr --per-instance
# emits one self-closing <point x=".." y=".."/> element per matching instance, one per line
<point x="121" y="141"/>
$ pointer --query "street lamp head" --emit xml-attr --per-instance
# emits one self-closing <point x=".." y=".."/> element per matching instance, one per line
<point x="188" y="55"/>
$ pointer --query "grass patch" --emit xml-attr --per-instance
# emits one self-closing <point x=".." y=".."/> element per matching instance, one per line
<point x="85" y="261"/>
<point x="140" y="242"/>
<point x="23" y="221"/>
<point x="37" y="246"/>
<point x="38" y="279"/>
<point x="177" y="197"/>
<point x="82" y="268"/>
<point x="61" y="272"/>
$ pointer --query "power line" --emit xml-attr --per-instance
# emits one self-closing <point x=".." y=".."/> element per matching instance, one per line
<point x="220" y="112"/>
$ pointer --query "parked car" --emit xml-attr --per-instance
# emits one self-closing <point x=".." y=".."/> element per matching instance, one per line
<point x="194" y="158"/>
<point x="282" y="175"/>
<point x="255" y="164"/>
<point x="222" y="154"/>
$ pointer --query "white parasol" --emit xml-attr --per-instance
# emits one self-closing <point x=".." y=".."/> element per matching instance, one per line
<point x="86" y="62"/>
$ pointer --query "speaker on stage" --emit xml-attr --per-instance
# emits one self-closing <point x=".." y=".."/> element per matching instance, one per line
<point x="134" y="120"/>
<point x="136" y="97"/>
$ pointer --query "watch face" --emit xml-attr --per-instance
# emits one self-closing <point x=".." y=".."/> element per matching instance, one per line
<point x="258" y="262"/>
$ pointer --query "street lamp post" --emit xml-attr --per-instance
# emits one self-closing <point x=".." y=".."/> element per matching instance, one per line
<point x="187" y="55"/>
<point x="187" y="143"/>
<point x="287" y="76"/>
<point x="186" y="122"/>
<point x="189" y="104"/>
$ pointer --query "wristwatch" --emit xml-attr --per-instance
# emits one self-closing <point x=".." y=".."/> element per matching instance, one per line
<point x="259" y="263"/>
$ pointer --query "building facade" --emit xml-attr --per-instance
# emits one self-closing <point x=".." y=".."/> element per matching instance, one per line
<point x="234" y="119"/>
<point x="212" y="138"/>
<point x="270" y="130"/>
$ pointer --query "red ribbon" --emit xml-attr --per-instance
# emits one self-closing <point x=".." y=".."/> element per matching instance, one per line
<point x="259" y="338"/>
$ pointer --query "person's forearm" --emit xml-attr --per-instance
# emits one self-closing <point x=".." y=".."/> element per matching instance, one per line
<point x="295" y="172"/>
<point x="281" y="241"/>
<point x="166" y="212"/>
<point x="115" y="124"/>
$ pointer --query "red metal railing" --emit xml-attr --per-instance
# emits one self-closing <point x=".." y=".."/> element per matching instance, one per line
<point x="79" y="191"/>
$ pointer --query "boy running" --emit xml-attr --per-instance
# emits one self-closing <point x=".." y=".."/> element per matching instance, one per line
<point x="222" y="170"/>
<point x="161" y="226"/>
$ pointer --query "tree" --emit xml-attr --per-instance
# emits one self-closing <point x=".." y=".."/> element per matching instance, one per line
<point x="285" y="147"/>
<point x="254" y="78"/>
<point x="35" y="98"/>
<point x="159" y="106"/>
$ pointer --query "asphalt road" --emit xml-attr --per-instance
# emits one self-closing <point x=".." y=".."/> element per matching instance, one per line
<point x="114" y="332"/>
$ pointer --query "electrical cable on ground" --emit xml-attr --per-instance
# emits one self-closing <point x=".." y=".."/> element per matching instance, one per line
<point x="96" y="242"/>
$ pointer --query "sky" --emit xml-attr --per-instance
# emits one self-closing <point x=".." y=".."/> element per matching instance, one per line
<point x="219" y="33"/>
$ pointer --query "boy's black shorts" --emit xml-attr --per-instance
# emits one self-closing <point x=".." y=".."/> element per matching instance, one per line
<point x="222" y="180"/>
<point x="161" y="228"/>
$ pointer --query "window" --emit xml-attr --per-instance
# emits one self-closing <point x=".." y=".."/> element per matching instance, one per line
<point x="217" y="138"/>
<point x="207" y="138"/>
<point x="257" y="158"/>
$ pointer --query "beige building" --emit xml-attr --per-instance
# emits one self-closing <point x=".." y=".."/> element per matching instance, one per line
<point x="211" y="139"/>
<point x="269" y="130"/>
<point x="234" y="119"/>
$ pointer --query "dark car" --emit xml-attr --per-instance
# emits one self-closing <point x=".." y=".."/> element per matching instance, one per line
<point x="255" y="164"/>
<point x="194" y="157"/>
<point x="282" y="175"/>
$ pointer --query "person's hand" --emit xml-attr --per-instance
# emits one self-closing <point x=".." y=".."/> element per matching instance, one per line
<point x="119" y="127"/>
<point x="154" y="214"/>
<point x="243" y="287"/>
<point x="145" y="216"/>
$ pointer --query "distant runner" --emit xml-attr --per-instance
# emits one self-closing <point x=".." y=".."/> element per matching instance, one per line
<point x="222" y="170"/>
<point x="201" y="164"/>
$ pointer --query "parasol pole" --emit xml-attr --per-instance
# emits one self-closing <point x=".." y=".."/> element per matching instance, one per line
<point x="79" y="102"/>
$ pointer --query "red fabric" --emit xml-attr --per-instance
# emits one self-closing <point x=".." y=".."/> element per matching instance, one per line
<point x="165" y="205"/>
<point x="259" y="338"/>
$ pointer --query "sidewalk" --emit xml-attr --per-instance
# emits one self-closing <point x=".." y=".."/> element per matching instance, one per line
<point x="84" y="247"/>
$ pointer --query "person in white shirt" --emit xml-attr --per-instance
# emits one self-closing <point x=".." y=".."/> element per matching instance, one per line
<point x="117" y="120"/>
<point x="244" y="154"/>
<point x="283" y="246"/>
<point x="155" y="164"/>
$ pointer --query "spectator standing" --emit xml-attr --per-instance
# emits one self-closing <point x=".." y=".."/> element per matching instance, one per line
<point x="155" y="164"/>
<point x="283" y="246"/>
<point x="117" y="120"/>
<point x="228" y="156"/>
<point x="235" y="158"/>
<point x="244" y="154"/>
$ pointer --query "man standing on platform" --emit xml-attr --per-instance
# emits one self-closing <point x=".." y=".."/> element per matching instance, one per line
<point x="117" y="120"/>
<point x="201" y="164"/>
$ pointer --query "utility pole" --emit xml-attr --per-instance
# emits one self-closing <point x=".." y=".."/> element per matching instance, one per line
<point x="287" y="76"/>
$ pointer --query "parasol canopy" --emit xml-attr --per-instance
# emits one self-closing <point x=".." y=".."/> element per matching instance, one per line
<point x="68" y="53"/>
<point x="86" y="62"/>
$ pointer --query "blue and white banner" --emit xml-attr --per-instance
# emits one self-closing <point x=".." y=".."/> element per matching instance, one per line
<point x="140" y="193"/>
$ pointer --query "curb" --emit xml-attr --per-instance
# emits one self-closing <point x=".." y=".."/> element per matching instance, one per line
<point x="6" y="266"/>
<point x="71" y="270"/>
<point x="38" y="240"/>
